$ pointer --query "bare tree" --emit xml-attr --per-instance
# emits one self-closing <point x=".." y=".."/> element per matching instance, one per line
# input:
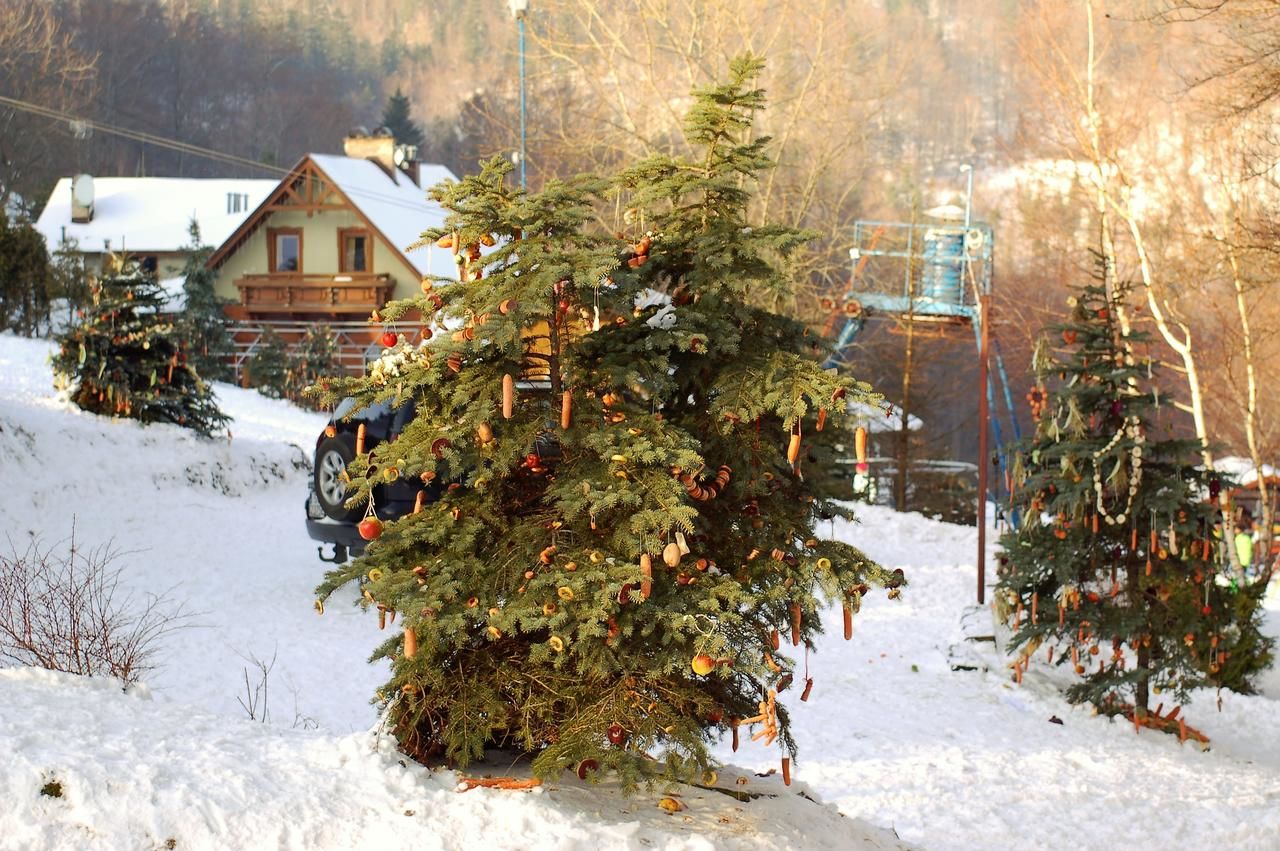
<point x="39" y="64"/>
<point x="626" y="70"/>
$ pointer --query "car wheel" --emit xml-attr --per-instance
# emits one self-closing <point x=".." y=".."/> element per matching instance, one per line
<point x="332" y="457"/>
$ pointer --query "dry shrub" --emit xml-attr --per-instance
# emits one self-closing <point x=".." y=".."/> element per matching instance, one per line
<point x="65" y="610"/>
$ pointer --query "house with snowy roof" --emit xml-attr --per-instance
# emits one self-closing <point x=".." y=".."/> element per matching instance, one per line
<point x="330" y="244"/>
<point x="331" y="240"/>
<point x="145" y="217"/>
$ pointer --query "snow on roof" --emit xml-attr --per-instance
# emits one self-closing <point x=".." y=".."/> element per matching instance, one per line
<point x="400" y="210"/>
<point x="1242" y="469"/>
<point x="151" y="214"/>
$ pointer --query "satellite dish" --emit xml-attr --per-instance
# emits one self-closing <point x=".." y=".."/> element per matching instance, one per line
<point x="398" y="156"/>
<point x="82" y="199"/>
<point x="82" y="190"/>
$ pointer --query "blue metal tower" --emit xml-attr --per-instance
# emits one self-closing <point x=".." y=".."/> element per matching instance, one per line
<point x="938" y="272"/>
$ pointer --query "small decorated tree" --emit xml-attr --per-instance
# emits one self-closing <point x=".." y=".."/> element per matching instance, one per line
<point x="124" y="360"/>
<point x="625" y="545"/>
<point x="1111" y="567"/>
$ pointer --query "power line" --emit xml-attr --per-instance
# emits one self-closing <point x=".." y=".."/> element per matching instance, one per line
<point x="185" y="147"/>
<point x="139" y="136"/>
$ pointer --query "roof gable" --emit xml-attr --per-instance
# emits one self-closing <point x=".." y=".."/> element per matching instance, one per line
<point x="391" y="204"/>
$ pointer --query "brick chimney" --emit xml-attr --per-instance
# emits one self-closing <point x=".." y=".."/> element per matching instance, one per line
<point x="379" y="146"/>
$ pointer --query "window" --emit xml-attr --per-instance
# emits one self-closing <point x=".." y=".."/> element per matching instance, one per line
<point x="355" y="250"/>
<point x="284" y="250"/>
<point x="237" y="202"/>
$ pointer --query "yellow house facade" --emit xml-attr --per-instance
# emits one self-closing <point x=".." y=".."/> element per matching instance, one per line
<point x="330" y="244"/>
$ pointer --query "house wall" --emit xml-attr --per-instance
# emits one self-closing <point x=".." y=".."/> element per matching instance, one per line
<point x="168" y="264"/>
<point x="319" y="251"/>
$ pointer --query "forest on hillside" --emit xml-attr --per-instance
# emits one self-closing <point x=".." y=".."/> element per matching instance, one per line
<point x="1135" y="130"/>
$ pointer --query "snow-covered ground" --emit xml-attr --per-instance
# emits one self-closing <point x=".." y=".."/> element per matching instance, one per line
<point x="892" y="735"/>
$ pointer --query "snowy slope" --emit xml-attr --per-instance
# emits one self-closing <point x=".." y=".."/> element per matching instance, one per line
<point x="891" y="734"/>
<point x="215" y="525"/>
<point x="135" y="772"/>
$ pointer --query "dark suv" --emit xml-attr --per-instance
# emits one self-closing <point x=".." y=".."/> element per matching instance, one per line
<point x="328" y="519"/>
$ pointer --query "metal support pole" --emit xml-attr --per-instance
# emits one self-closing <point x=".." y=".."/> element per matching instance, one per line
<point x="984" y="317"/>
<point x="968" y="197"/>
<point x="520" y="25"/>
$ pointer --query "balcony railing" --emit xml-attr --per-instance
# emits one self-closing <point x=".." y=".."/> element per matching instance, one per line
<point x="355" y="343"/>
<point x="348" y="294"/>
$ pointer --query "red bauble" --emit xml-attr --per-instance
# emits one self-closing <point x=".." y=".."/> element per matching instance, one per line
<point x="1206" y="610"/>
<point x="389" y="339"/>
<point x="616" y="734"/>
<point x="370" y="528"/>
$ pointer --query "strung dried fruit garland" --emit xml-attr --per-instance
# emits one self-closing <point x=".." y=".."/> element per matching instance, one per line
<point x="711" y="490"/>
<point x="1133" y="429"/>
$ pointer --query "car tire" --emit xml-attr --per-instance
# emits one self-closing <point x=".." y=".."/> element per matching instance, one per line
<point x="332" y="458"/>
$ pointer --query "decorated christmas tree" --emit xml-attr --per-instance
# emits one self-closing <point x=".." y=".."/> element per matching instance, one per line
<point x="124" y="360"/>
<point x="1113" y="567"/>
<point x="203" y="324"/>
<point x="623" y="555"/>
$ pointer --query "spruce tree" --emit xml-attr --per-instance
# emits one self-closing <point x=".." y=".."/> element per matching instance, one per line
<point x="1111" y="567"/>
<point x="203" y="323"/>
<point x="624" y="543"/>
<point x="315" y="355"/>
<point x="124" y="360"/>
<point x="268" y="368"/>
<point x="26" y="277"/>
<point x="396" y="118"/>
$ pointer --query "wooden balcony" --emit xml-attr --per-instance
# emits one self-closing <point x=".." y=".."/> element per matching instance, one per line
<point x="353" y="294"/>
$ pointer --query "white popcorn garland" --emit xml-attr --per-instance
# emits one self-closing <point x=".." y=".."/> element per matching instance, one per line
<point x="392" y="361"/>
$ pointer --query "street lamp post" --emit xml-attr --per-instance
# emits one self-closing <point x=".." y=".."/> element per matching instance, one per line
<point x="519" y="8"/>
<point x="984" y="391"/>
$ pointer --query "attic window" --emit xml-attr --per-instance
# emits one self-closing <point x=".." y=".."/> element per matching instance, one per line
<point x="284" y="249"/>
<point x="237" y="202"/>
<point x="354" y="250"/>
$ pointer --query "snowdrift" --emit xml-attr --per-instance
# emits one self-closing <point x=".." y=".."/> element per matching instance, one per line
<point x="97" y="766"/>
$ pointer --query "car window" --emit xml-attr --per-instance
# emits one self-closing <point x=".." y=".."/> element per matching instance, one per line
<point x="344" y="408"/>
<point x="403" y="416"/>
<point x="369" y="414"/>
